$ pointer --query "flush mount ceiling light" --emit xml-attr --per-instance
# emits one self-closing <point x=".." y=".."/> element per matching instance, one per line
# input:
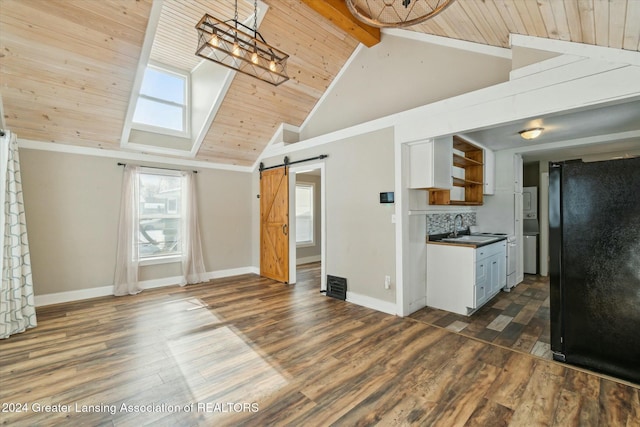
<point x="241" y="48"/>
<point x="396" y="13"/>
<point x="531" y="133"/>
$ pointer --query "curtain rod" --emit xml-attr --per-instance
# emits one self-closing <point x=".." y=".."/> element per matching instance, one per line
<point x="154" y="167"/>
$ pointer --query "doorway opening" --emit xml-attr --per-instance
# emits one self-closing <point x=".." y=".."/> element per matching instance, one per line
<point x="307" y="244"/>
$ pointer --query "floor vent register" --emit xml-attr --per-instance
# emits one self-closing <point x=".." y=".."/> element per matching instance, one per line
<point x="337" y="287"/>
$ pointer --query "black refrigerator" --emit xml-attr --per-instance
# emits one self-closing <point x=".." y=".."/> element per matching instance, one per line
<point x="594" y="248"/>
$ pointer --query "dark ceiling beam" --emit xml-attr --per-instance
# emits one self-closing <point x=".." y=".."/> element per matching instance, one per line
<point x="337" y="12"/>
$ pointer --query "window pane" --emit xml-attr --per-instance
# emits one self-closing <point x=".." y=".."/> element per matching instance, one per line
<point x="155" y="113"/>
<point x="304" y="213"/>
<point x="160" y="215"/>
<point x="165" y="86"/>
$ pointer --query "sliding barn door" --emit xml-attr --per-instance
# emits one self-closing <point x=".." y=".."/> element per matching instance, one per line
<point x="274" y="224"/>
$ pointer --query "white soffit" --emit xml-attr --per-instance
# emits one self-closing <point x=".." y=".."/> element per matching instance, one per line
<point x="449" y="42"/>
<point x="273" y="149"/>
<point x="608" y="54"/>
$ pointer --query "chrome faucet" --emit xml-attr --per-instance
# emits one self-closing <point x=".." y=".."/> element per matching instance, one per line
<point x="455" y="229"/>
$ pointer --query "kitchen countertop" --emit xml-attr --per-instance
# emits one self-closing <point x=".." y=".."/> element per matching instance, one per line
<point x="436" y="239"/>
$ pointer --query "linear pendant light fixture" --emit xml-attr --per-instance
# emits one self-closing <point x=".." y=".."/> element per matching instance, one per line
<point x="241" y="48"/>
<point x="396" y="13"/>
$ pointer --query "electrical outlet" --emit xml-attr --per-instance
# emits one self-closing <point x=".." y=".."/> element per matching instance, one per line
<point x="387" y="282"/>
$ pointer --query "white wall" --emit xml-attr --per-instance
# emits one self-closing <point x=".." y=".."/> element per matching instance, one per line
<point x="72" y="208"/>
<point x="497" y="212"/>
<point x="360" y="234"/>
<point x="522" y="56"/>
<point x="399" y="74"/>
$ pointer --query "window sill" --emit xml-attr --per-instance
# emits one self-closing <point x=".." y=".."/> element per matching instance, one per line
<point x="305" y="244"/>
<point x="160" y="130"/>
<point x="160" y="260"/>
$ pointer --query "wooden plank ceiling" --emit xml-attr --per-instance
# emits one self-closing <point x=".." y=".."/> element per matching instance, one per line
<point x="67" y="67"/>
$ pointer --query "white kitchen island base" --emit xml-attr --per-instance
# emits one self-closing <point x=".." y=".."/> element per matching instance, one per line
<point x="462" y="278"/>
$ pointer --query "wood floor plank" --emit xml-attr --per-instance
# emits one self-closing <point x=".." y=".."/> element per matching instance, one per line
<point x="287" y="355"/>
<point x="542" y="398"/>
<point x="568" y="410"/>
<point x="489" y="413"/>
<point x="634" y="413"/>
<point x="615" y="403"/>
<point x="583" y="383"/>
<point x="467" y="395"/>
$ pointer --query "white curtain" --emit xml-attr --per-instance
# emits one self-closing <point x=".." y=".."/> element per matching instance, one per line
<point x="17" y="306"/>
<point x="193" y="270"/>
<point x="126" y="275"/>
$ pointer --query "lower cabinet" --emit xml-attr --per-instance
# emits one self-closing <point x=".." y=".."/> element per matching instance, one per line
<point x="461" y="279"/>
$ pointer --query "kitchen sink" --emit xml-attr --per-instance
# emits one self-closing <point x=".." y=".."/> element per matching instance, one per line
<point x="471" y="239"/>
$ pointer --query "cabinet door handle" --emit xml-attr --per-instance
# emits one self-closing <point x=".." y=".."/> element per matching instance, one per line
<point x="495" y="262"/>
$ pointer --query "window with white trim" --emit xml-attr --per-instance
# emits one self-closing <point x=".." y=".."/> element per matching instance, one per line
<point x="163" y="104"/>
<point x="304" y="214"/>
<point x="160" y="214"/>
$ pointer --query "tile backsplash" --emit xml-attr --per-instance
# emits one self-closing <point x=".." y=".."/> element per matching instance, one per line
<point x="438" y="223"/>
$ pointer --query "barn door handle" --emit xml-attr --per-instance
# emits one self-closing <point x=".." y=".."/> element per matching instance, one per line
<point x="284" y="229"/>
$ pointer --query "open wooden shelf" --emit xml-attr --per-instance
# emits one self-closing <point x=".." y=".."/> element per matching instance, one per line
<point x="464" y="203"/>
<point x="463" y="145"/>
<point x="460" y="182"/>
<point x="473" y="182"/>
<point x="463" y="162"/>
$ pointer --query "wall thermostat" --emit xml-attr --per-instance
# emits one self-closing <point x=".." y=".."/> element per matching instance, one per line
<point x="387" y="197"/>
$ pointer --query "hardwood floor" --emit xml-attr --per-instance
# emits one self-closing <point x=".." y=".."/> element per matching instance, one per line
<point x="250" y="351"/>
<point x="518" y="319"/>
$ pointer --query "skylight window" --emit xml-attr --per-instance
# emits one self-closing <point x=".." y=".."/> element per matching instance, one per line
<point x="162" y="105"/>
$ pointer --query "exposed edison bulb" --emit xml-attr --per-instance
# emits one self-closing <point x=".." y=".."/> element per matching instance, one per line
<point x="254" y="57"/>
<point x="272" y="65"/>
<point x="215" y="41"/>
<point x="236" y="49"/>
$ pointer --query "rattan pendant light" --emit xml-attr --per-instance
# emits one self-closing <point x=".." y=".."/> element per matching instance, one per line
<point x="396" y="13"/>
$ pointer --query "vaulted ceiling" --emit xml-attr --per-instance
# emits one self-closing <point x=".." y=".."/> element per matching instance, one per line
<point x="67" y="67"/>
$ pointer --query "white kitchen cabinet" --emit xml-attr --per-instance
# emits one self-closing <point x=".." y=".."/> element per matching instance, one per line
<point x="489" y="172"/>
<point x="517" y="173"/>
<point x="450" y="168"/>
<point x="517" y="226"/>
<point x="461" y="279"/>
<point x="430" y="164"/>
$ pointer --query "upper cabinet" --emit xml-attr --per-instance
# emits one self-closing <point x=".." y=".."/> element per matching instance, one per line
<point x="489" y="172"/>
<point x="517" y="173"/>
<point x="429" y="164"/>
<point x="451" y="169"/>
